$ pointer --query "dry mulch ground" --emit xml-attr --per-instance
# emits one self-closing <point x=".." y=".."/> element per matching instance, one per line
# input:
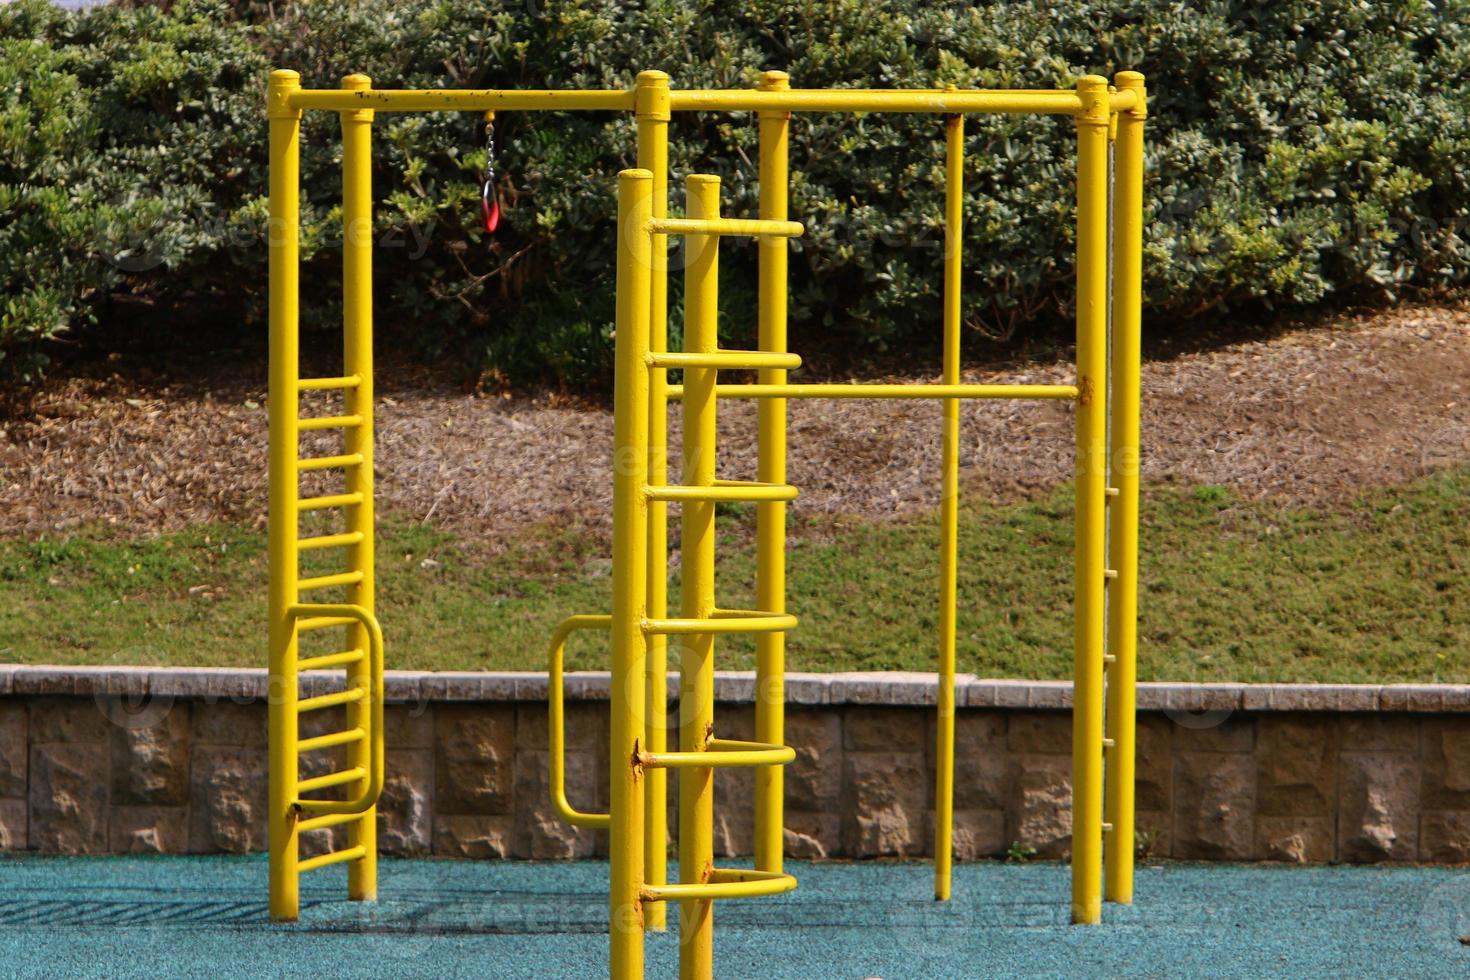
<point x="1311" y="415"/>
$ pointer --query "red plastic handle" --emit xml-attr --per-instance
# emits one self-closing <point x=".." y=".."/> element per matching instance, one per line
<point x="490" y="206"/>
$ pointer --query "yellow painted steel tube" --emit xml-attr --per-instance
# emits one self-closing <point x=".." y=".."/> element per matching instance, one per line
<point x="949" y="514"/>
<point x="630" y="575"/>
<point x="1060" y="102"/>
<point x="770" y="528"/>
<point x="284" y="259"/>
<point x="653" y="155"/>
<point x="725" y="490"/>
<point x="814" y="390"/>
<point x="750" y="622"/>
<point x="465" y="100"/>
<point x="357" y="361"/>
<point x="697" y="581"/>
<point x="556" y="716"/>
<point x="1091" y="487"/>
<point x="735" y="360"/>
<point x="746" y="227"/>
<point x="725" y="883"/>
<point x="723" y="753"/>
<point x="1123" y="461"/>
<point x="366" y="692"/>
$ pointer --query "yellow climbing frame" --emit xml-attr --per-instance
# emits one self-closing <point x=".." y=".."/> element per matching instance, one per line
<point x="1109" y="184"/>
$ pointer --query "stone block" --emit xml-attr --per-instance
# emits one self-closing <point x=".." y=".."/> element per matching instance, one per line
<point x="14" y="818"/>
<point x="884" y="806"/>
<point x="585" y="726"/>
<point x="814" y="779"/>
<point x="539" y="831"/>
<point x="1214" y="806"/>
<point x="978" y="834"/>
<point x="870" y="729"/>
<point x="1296" y="757"/>
<point x="1217" y="730"/>
<point x="1295" y="839"/>
<point x="14" y="757"/>
<point x="1153" y="782"/>
<point x="406" y="808"/>
<point x="1444" y="837"/>
<point x="149" y="830"/>
<point x="408" y="726"/>
<point x="1378" y="807"/>
<point x="981" y="769"/>
<point x="812" y="836"/>
<point x="68" y="798"/>
<point x="150" y="763"/>
<point x="474" y="751"/>
<point x="67" y="720"/>
<point x="1446" y="757"/>
<point x="228" y="797"/>
<point x="229" y="724"/>
<point x="1041" y="804"/>
<point x="1039" y="732"/>
<point x="734" y="812"/>
<point x="1380" y="733"/>
<point x="472" y="836"/>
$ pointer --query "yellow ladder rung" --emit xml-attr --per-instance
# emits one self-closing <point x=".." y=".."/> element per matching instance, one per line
<point x="330" y="660"/>
<point x="1110" y="573"/>
<point x="313" y="463"/>
<point x="748" y="360"/>
<point x="326" y="820"/>
<point x="1108" y="743"/>
<point x="739" y="490"/>
<point x="331" y="740"/>
<point x="722" y="753"/>
<point x="331" y="779"/>
<point x="331" y="541"/>
<point x="1112" y="491"/>
<point x="329" y="581"/>
<point x="726" y="226"/>
<point x="329" y="384"/>
<point x="329" y="422"/>
<point x="333" y="500"/>
<point x="330" y="700"/>
<point x="1109" y="658"/>
<point x="336" y="857"/>
<point x="724" y="621"/>
<point x="1106" y="827"/>
<point x="323" y="623"/>
<point x="723" y="883"/>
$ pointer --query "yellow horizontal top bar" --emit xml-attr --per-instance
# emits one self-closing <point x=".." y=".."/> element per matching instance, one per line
<point x="1040" y="101"/>
<point x="725" y="226"/>
<point x="462" y="100"/>
<point x="1061" y="392"/>
<point x="1058" y="102"/>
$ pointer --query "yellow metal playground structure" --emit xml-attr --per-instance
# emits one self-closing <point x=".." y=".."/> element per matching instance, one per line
<point x="1109" y="180"/>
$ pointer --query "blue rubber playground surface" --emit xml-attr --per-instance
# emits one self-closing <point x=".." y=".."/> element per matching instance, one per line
<point x="206" y="916"/>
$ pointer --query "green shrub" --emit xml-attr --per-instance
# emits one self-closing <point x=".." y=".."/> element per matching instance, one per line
<point x="1299" y="151"/>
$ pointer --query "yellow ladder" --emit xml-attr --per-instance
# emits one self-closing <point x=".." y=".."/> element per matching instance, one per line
<point x="357" y="660"/>
<point x="635" y="883"/>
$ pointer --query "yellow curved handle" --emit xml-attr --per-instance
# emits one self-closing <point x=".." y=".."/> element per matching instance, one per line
<point x="373" y="785"/>
<point x="556" y="712"/>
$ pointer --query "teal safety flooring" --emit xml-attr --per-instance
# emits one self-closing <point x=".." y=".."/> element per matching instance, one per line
<point x="206" y="916"/>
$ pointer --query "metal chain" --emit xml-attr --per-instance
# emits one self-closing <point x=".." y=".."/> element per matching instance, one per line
<point x="489" y="152"/>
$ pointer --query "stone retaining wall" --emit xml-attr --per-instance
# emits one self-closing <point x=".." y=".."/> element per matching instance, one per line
<point x="132" y="760"/>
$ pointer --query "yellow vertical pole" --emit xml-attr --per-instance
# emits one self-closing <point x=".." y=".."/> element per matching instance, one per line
<point x="284" y="259"/>
<point x="653" y="114"/>
<point x="357" y="359"/>
<point x="697" y="582"/>
<point x="1123" y="462"/>
<point x="949" y="507"/>
<point x="1091" y="487"/>
<point x="630" y="573"/>
<point x="770" y="576"/>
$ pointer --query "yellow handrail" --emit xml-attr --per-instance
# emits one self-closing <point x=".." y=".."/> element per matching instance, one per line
<point x="556" y="715"/>
<point x="372" y="778"/>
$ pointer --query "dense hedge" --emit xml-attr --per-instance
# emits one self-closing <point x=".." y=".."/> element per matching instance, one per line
<point x="1299" y="149"/>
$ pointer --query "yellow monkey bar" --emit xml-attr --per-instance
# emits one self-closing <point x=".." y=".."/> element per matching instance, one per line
<point x="1110" y="131"/>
